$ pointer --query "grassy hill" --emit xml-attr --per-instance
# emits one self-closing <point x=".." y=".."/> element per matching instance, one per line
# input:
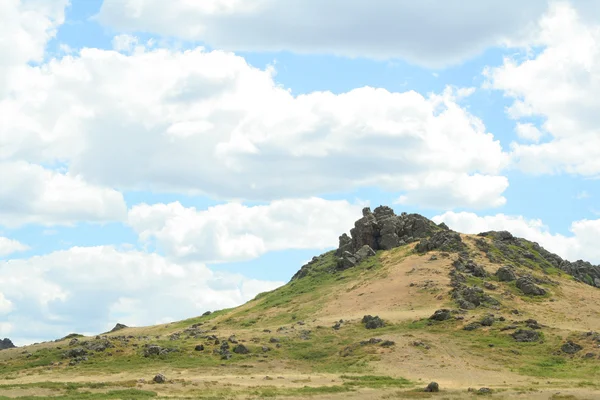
<point x="308" y="338"/>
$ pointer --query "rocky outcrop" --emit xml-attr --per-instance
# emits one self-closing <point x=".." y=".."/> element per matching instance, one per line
<point x="6" y="343"/>
<point x="527" y="286"/>
<point x="443" y="241"/>
<point x="523" y="251"/>
<point x="118" y="327"/>
<point x="506" y="274"/>
<point x="382" y="229"/>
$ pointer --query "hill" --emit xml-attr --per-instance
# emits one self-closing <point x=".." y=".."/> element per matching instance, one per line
<point x="401" y="303"/>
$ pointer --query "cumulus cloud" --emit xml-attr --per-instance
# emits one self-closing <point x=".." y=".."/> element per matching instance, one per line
<point x="559" y="84"/>
<point x="235" y="232"/>
<point x="209" y="123"/>
<point x="581" y="244"/>
<point x="89" y="289"/>
<point x="31" y="194"/>
<point x="26" y="27"/>
<point x="5" y="304"/>
<point x="428" y="32"/>
<point x="9" y="246"/>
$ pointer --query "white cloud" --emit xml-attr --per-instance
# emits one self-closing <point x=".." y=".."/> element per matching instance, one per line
<point x="125" y="43"/>
<point x="529" y="132"/>
<point x="5" y="305"/>
<point x="25" y="28"/>
<point x="582" y="244"/>
<point x="89" y="289"/>
<point x="559" y="84"/>
<point x="582" y="195"/>
<point x="208" y="123"/>
<point x="234" y="232"/>
<point x="428" y="32"/>
<point x="32" y="194"/>
<point x="9" y="246"/>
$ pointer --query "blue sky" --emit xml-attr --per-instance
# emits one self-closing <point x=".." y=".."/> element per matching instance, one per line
<point x="206" y="151"/>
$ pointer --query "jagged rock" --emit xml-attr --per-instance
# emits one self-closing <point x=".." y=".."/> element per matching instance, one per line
<point x="528" y="287"/>
<point x="471" y="297"/>
<point x="365" y="230"/>
<point x="241" y="349"/>
<point x="6" y="343"/>
<point x="441" y="315"/>
<point x="472" y="326"/>
<point x="76" y="352"/>
<point x="99" y="345"/>
<point x="372" y="322"/>
<point x="364" y="252"/>
<point x="526" y="335"/>
<point x="371" y="341"/>
<point x="470" y="267"/>
<point x="488" y="320"/>
<point x="443" y="241"/>
<point x="232" y="339"/>
<point x="432" y="387"/>
<point x="154" y="350"/>
<point x="506" y="274"/>
<point x="159" y="378"/>
<point x="345" y="244"/>
<point x="571" y="347"/>
<point x="118" y="327"/>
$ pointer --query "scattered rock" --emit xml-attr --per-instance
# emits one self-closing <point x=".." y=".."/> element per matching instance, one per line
<point x="444" y="240"/>
<point x="371" y="341"/>
<point x="274" y="340"/>
<point x="484" y="390"/>
<point x="207" y="313"/>
<point x="571" y="348"/>
<point x="76" y="352"/>
<point x="432" y="387"/>
<point x="388" y="343"/>
<point x="159" y="378"/>
<point x="528" y="287"/>
<point x="488" y="320"/>
<point x="199" y="347"/>
<point x="526" y="335"/>
<point x="489" y="286"/>
<point x="472" y="326"/>
<point x="506" y="274"/>
<point x="441" y="315"/>
<point x="241" y="349"/>
<point x="371" y="322"/>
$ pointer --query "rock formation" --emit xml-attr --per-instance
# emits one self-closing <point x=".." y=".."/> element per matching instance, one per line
<point x="6" y="343"/>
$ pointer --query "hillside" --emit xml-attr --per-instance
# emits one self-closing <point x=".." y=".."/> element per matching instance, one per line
<point x="401" y="303"/>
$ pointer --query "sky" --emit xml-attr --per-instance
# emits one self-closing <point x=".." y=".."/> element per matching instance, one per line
<point x="159" y="159"/>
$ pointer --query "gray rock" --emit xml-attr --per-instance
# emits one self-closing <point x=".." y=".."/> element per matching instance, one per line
<point x="443" y="241"/>
<point x="432" y="387"/>
<point x="506" y="274"/>
<point x="199" y="347"/>
<point x="526" y="335"/>
<point x="6" y="343"/>
<point x="372" y="322"/>
<point x="159" y="378"/>
<point x="441" y="315"/>
<point x="472" y="326"/>
<point x="76" y="352"/>
<point x="364" y="252"/>
<point x="528" y="287"/>
<point x="488" y="320"/>
<point x="571" y="347"/>
<point x="241" y="349"/>
<point x="118" y="327"/>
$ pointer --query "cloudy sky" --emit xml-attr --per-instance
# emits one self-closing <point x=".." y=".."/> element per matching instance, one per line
<point x="163" y="158"/>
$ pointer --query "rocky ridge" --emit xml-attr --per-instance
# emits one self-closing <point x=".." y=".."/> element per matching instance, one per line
<point x="6" y="343"/>
<point x="382" y="229"/>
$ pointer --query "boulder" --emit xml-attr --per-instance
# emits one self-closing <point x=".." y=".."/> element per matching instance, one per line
<point x="571" y="347"/>
<point x="526" y="335"/>
<point x="432" y="387"/>
<point x="441" y="315"/>
<point x="506" y="274"/>
<point x="159" y="378"/>
<point x="199" y="347"/>
<point x="528" y="287"/>
<point x="241" y="349"/>
<point x="371" y="322"/>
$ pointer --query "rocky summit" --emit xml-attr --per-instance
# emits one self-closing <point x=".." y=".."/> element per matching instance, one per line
<point x="400" y="303"/>
<point x="6" y="343"/>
